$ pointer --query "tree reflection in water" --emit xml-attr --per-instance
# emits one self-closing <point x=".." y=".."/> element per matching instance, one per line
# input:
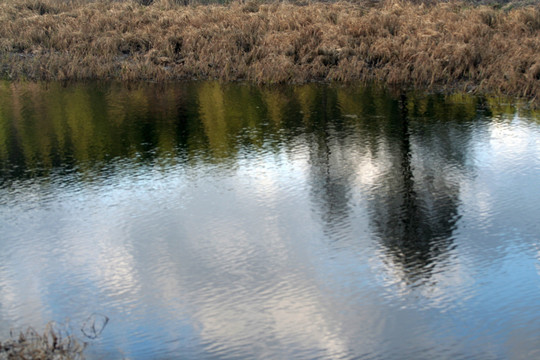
<point x="421" y="159"/>
<point x="414" y="209"/>
<point x="419" y="155"/>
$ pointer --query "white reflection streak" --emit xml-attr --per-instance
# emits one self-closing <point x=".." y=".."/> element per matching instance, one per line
<point x="102" y="251"/>
<point x="290" y="311"/>
<point x="483" y="203"/>
<point x="116" y="269"/>
<point x="367" y="171"/>
<point x="22" y="306"/>
<point x="303" y="318"/>
<point x="292" y="317"/>
<point x="508" y="139"/>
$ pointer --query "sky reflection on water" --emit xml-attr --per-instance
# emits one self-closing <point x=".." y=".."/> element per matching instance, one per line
<point x="229" y="221"/>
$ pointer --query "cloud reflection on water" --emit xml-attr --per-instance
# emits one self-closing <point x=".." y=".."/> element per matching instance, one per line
<point x="220" y="221"/>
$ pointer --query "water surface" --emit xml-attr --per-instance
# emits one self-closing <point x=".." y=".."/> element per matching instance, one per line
<point x="230" y="221"/>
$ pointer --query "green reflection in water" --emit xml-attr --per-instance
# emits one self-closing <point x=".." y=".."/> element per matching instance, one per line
<point x="46" y="126"/>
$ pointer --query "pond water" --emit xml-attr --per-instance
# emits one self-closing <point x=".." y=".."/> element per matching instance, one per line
<point x="231" y="221"/>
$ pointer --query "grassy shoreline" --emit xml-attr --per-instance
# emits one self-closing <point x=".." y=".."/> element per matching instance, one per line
<point x="443" y="46"/>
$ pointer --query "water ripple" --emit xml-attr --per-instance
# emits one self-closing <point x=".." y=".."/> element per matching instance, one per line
<point x="238" y="222"/>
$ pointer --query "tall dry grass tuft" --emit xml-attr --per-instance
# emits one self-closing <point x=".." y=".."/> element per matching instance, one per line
<point x="52" y="344"/>
<point x="440" y="45"/>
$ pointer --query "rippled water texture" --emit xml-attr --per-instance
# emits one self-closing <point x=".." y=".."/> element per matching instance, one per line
<point x="228" y="221"/>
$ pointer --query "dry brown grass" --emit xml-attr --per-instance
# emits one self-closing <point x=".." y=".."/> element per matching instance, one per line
<point x="445" y="45"/>
<point x="51" y="345"/>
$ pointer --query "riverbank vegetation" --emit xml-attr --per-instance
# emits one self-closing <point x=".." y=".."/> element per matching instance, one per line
<point x="450" y="45"/>
<point x="51" y="344"/>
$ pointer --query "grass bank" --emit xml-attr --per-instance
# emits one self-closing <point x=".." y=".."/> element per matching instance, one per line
<point x="442" y="45"/>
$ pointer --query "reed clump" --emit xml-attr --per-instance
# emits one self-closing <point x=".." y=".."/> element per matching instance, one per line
<point x="445" y="45"/>
<point x="51" y="345"/>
